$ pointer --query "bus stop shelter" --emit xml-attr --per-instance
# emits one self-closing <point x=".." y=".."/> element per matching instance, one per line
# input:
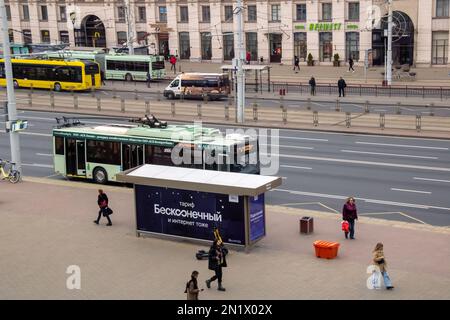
<point x="258" y="69"/>
<point x="186" y="203"/>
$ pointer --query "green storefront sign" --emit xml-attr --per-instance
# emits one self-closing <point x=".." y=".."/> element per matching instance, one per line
<point x="352" y="27"/>
<point x="325" y="26"/>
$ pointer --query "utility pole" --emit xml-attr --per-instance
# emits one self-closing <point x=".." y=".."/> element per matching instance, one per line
<point x="240" y="71"/>
<point x="129" y="18"/>
<point x="389" y="45"/>
<point x="12" y="113"/>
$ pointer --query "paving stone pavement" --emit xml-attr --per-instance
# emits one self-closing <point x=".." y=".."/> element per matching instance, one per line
<point x="47" y="226"/>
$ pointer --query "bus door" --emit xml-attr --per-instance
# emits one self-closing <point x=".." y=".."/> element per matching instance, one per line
<point x="75" y="157"/>
<point x="132" y="155"/>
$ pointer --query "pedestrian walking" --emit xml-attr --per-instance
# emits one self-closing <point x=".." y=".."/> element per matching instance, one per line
<point x="102" y="202"/>
<point x="102" y="77"/>
<point x="192" y="289"/>
<point x="248" y="57"/>
<point x="173" y="62"/>
<point x="380" y="261"/>
<point x="149" y="78"/>
<point x="349" y="214"/>
<point x="312" y="84"/>
<point x="217" y="261"/>
<point x="341" y="86"/>
<point x="296" y="63"/>
<point x="350" y="64"/>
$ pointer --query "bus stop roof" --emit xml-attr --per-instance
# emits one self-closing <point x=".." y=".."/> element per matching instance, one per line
<point x="257" y="67"/>
<point x="200" y="180"/>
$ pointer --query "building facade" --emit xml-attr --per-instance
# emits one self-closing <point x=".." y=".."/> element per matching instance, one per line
<point x="275" y="30"/>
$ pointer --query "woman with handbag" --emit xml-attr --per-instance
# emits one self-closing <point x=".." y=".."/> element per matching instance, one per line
<point x="102" y="202"/>
<point x="380" y="262"/>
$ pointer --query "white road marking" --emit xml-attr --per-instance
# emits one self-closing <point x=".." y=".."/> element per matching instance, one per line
<point x="318" y="104"/>
<point x="400" y="145"/>
<point x="285" y="146"/>
<point x="356" y="105"/>
<point x="407" y="190"/>
<point x="380" y="110"/>
<point x="297" y="138"/>
<point x="372" y="163"/>
<point x="389" y="154"/>
<point x="295" y="167"/>
<point x="37" y="165"/>
<point x="434" y="180"/>
<point x="35" y="134"/>
<point x="339" y="197"/>
<point x="44" y="154"/>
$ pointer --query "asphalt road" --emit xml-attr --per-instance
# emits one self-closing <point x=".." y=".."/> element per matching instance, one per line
<point x="395" y="178"/>
<point x="290" y="102"/>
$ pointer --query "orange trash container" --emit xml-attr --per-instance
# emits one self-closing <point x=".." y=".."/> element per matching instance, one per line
<point x="326" y="249"/>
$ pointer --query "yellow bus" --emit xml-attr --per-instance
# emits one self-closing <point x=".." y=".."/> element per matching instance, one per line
<point x="53" y="74"/>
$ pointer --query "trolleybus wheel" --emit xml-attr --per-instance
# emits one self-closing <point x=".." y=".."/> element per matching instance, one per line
<point x="57" y="87"/>
<point x="100" y="176"/>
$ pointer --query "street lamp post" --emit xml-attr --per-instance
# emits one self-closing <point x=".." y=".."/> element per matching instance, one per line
<point x="12" y="113"/>
<point x="240" y="70"/>
<point x="389" y="45"/>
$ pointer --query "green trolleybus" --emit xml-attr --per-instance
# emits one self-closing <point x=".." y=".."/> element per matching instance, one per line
<point x="99" y="152"/>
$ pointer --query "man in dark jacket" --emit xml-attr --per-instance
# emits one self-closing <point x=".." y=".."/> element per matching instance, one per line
<point x="217" y="260"/>
<point x="312" y="84"/>
<point x="102" y="202"/>
<point x="341" y="86"/>
<point x="296" y="63"/>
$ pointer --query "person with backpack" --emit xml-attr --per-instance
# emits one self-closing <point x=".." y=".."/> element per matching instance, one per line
<point x="216" y="261"/>
<point x="102" y="202"/>
<point x="192" y="289"/>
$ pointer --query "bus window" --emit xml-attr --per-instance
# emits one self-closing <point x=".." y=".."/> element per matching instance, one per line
<point x="103" y="152"/>
<point x="158" y="155"/>
<point x="158" y="65"/>
<point x="59" y="145"/>
<point x="90" y="68"/>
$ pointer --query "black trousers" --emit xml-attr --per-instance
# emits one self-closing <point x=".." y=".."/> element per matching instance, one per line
<point x="173" y="67"/>
<point x="296" y="66"/>
<point x="351" y="68"/>
<point x="100" y="215"/>
<point x="313" y="91"/>
<point x="341" y="90"/>
<point x="218" y="274"/>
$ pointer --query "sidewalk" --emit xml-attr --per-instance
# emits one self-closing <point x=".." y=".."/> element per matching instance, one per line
<point x="326" y="74"/>
<point x="40" y="241"/>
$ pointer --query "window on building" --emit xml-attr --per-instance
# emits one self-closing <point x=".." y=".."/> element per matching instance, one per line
<point x="142" y="37"/>
<point x="206" y="45"/>
<point x="439" y="48"/>
<point x="64" y="36"/>
<point x="442" y="8"/>
<point x="142" y="15"/>
<point x="325" y="46"/>
<point x="163" y="14"/>
<point x="185" y="45"/>
<point x="327" y="11"/>
<point x="45" y="36"/>
<point x="301" y="12"/>
<point x="353" y="11"/>
<point x="251" y="13"/>
<point x="44" y="13"/>
<point x="62" y="14"/>
<point x="8" y="12"/>
<point x="25" y="13"/>
<point x="121" y="14"/>
<point x="251" y="44"/>
<point x="300" y="45"/>
<point x="352" y="45"/>
<point x="206" y="14"/>
<point x="121" y="38"/>
<point x="228" y="46"/>
<point x="11" y="35"/>
<point x="27" y="39"/>
<point x="228" y="13"/>
<point x="275" y="13"/>
<point x="184" y="14"/>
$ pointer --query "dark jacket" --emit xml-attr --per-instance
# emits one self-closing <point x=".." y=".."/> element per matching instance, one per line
<point x="102" y="197"/>
<point x="217" y="257"/>
<point x="312" y="82"/>
<point x="296" y="61"/>
<point x="341" y="83"/>
<point x="350" y="62"/>
<point x="349" y="212"/>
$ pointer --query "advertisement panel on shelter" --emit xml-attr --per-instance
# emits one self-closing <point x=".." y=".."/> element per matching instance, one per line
<point x="257" y="218"/>
<point x="190" y="214"/>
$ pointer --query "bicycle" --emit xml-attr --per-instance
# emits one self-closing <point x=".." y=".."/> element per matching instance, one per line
<point x="12" y="174"/>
